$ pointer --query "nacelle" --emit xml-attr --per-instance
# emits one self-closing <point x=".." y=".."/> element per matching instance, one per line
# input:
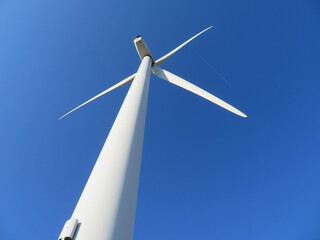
<point x="142" y="48"/>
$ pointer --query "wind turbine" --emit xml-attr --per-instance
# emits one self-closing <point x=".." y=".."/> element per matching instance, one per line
<point x="107" y="206"/>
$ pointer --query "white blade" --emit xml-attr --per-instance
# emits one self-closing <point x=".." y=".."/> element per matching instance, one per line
<point x="123" y="82"/>
<point x="165" y="57"/>
<point x="170" y="77"/>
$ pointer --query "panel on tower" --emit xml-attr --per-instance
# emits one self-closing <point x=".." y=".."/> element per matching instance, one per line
<point x="69" y="229"/>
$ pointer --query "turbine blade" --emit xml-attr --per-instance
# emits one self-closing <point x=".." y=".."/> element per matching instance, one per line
<point x="165" y="57"/>
<point x="170" y="77"/>
<point x="123" y="82"/>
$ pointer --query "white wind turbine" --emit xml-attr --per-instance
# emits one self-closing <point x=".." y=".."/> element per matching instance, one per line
<point x="107" y="206"/>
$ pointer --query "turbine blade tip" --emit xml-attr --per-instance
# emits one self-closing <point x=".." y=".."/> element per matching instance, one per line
<point x="62" y="116"/>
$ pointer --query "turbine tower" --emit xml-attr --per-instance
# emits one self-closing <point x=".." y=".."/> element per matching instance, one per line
<point x="107" y="206"/>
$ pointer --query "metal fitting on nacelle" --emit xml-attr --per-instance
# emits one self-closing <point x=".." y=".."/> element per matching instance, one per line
<point x="142" y="48"/>
<point x="69" y="229"/>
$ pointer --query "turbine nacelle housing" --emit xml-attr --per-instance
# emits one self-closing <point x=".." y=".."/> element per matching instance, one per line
<point x="142" y="48"/>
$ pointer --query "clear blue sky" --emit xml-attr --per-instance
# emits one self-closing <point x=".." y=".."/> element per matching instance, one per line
<point x="206" y="173"/>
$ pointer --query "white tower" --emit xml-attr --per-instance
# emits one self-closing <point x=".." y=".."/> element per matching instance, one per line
<point x="107" y="206"/>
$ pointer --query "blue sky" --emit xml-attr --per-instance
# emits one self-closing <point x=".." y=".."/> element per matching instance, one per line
<point x="206" y="173"/>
